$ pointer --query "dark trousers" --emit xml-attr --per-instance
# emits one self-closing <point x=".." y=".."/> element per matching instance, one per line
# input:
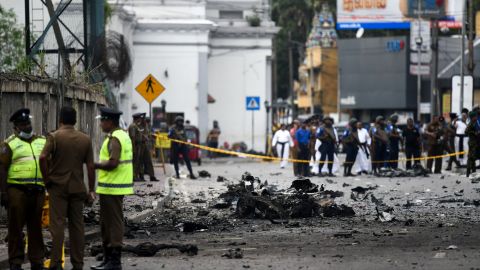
<point x="380" y="155"/>
<point x="142" y="162"/>
<point x="25" y="208"/>
<point x="327" y="150"/>
<point x="212" y="144"/>
<point x="111" y="220"/>
<point x="296" y="165"/>
<point x="178" y="150"/>
<point x="393" y="157"/>
<point x="435" y="150"/>
<point x="63" y="206"/>
<point x="352" y="151"/>
<point x="304" y="154"/>
<point x="410" y="153"/>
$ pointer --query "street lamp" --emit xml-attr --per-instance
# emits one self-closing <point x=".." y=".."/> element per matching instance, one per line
<point x="267" y="109"/>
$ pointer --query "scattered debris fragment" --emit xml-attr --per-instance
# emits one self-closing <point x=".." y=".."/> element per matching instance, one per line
<point x="204" y="174"/>
<point x="452" y="247"/>
<point x="191" y="227"/>
<point x="221" y="179"/>
<point x="338" y="211"/>
<point x="458" y="193"/>
<point x="304" y="185"/>
<point x="440" y="255"/>
<point x="234" y="254"/>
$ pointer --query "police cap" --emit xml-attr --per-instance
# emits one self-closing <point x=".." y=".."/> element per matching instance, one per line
<point x="109" y="114"/>
<point x="179" y="118"/>
<point x="453" y="115"/>
<point x="378" y="118"/>
<point x="21" y="115"/>
<point x="139" y="115"/>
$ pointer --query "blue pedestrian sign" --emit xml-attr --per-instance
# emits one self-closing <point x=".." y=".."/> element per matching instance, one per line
<point x="253" y="103"/>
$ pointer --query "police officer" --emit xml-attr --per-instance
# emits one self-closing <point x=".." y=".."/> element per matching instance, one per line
<point x="328" y="137"/>
<point x="436" y="141"/>
<point x="379" y="144"/>
<point x="473" y="133"/>
<point x="66" y="151"/>
<point x="177" y="132"/>
<point x="351" y="143"/>
<point x="115" y="175"/>
<point x="22" y="191"/>
<point x="412" y="142"/>
<point x="140" y="135"/>
<point x="394" y="140"/>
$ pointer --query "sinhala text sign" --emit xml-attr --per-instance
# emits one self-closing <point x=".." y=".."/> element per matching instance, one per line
<point x="393" y="14"/>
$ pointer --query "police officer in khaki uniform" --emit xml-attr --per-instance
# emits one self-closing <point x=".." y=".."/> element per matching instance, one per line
<point x="61" y="163"/>
<point x="142" y="160"/>
<point x="115" y="180"/>
<point x="22" y="191"/>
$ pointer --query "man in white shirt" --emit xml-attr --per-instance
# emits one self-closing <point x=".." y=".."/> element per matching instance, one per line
<point x="363" y="158"/>
<point x="282" y="141"/>
<point x="461" y="140"/>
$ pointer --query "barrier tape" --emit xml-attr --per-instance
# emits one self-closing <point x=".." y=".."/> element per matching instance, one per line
<point x="246" y="155"/>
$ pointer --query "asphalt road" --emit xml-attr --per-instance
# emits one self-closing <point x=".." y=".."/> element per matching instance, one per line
<point x="442" y="236"/>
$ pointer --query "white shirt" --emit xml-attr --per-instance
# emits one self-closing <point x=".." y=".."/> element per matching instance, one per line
<point x="460" y="127"/>
<point x="282" y="136"/>
<point x="363" y="136"/>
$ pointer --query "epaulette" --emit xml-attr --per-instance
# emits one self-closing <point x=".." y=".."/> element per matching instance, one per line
<point x="9" y="139"/>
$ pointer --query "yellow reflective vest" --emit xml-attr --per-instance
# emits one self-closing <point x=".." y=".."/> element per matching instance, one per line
<point x="120" y="180"/>
<point x="25" y="167"/>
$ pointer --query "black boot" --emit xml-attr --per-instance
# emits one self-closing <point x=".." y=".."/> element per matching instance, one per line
<point x="153" y="179"/>
<point x="350" y="170"/>
<point x="115" y="262"/>
<point x="106" y="258"/>
<point x="16" y="267"/>
<point x="38" y="267"/>
<point x="57" y="267"/>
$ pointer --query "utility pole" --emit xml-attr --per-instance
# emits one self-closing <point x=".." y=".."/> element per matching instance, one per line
<point x="462" y="59"/>
<point x="434" y="95"/>
<point x="471" y="63"/>
<point x="419" y="56"/>
<point x="290" y="75"/>
<point x="312" y="82"/>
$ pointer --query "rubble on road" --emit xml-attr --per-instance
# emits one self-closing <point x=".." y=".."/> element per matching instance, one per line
<point x="417" y="171"/>
<point x="253" y="199"/>
<point x="221" y="179"/>
<point x="204" y="174"/>
<point x="304" y="185"/>
<point x="233" y="254"/>
<point x="147" y="249"/>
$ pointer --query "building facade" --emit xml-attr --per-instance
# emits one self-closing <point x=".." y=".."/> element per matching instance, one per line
<point x="201" y="51"/>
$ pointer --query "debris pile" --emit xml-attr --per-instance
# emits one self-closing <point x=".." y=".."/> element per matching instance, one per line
<point x="253" y="199"/>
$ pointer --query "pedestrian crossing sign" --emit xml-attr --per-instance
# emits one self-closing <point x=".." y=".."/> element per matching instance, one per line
<point x="253" y="103"/>
<point x="150" y="88"/>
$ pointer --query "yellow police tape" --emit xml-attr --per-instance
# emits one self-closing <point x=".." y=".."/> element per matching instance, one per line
<point x="246" y="155"/>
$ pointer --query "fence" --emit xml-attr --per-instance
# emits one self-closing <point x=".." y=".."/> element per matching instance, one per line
<point x="44" y="98"/>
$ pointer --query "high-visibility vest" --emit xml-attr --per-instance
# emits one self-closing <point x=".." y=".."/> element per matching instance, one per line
<point x="120" y="180"/>
<point x="25" y="168"/>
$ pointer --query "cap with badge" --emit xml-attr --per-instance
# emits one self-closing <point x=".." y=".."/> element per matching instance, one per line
<point x="21" y="115"/>
<point x="109" y="114"/>
<point x="139" y="115"/>
<point x="179" y="118"/>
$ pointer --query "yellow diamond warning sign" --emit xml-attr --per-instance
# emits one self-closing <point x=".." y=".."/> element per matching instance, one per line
<point x="150" y="88"/>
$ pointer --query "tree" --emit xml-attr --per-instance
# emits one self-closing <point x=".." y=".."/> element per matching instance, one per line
<point x="292" y="16"/>
<point x="11" y="41"/>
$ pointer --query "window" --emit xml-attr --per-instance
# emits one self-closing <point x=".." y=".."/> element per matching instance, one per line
<point x="231" y="14"/>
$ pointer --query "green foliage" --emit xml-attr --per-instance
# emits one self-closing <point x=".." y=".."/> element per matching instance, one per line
<point x="107" y="12"/>
<point x="294" y="16"/>
<point x="254" y="20"/>
<point x="11" y="42"/>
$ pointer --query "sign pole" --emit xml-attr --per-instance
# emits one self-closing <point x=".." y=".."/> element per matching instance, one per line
<point x="253" y="122"/>
<point x="462" y="59"/>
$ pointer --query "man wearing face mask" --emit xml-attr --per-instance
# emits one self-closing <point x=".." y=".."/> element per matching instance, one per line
<point x="177" y="132"/>
<point x="22" y="191"/>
